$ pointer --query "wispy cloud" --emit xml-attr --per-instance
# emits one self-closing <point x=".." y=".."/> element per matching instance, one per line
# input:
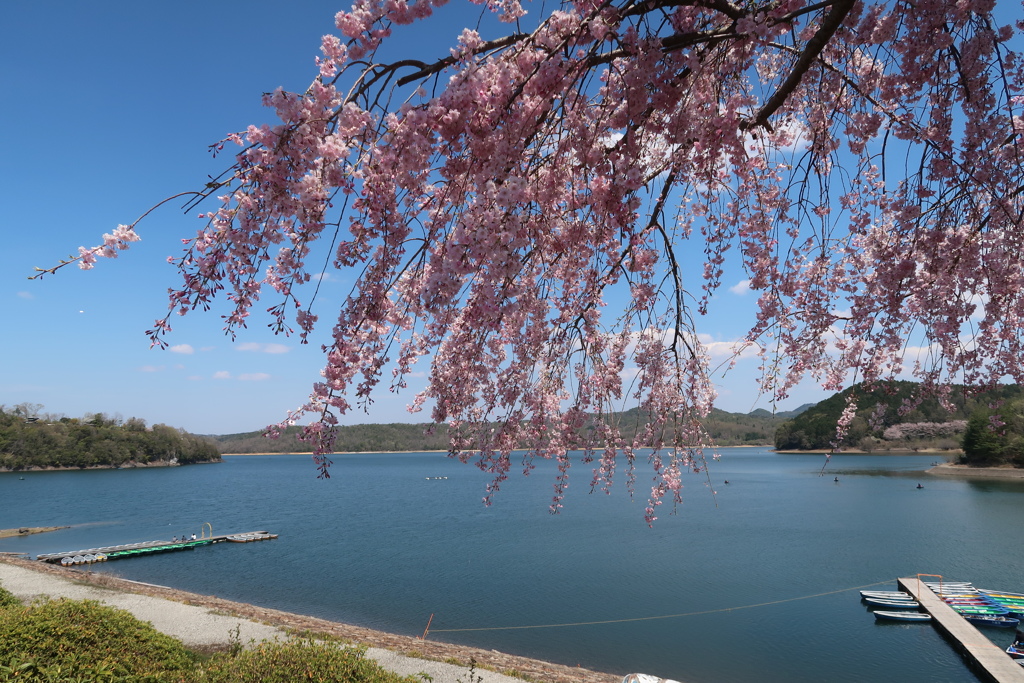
<point x="741" y="287"/>
<point x="182" y="348"/>
<point x="222" y="374"/>
<point x="728" y="349"/>
<point x="26" y="295"/>
<point x="263" y="348"/>
<point x="151" y="368"/>
<point x="253" y="376"/>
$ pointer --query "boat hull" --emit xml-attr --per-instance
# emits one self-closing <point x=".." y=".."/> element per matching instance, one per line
<point x="886" y="595"/>
<point x="994" y="621"/>
<point x="902" y="616"/>
<point x="892" y="604"/>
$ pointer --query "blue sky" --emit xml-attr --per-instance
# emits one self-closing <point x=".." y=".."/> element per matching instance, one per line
<point x="109" y="108"/>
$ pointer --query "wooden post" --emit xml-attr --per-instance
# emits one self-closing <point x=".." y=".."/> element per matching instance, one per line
<point x="424" y="636"/>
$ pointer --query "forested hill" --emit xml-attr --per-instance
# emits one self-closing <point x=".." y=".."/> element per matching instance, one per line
<point x="927" y="424"/>
<point x="728" y="429"/>
<point x="96" y="441"/>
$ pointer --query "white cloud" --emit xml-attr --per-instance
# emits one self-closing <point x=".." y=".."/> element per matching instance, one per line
<point x="741" y="287"/>
<point x="728" y="349"/>
<point x="222" y="374"/>
<point x="182" y="348"/>
<point x="26" y="295"/>
<point x="253" y="376"/>
<point x="151" y="368"/>
<point x="263" y="348"/>
<point x="275" y="348"/>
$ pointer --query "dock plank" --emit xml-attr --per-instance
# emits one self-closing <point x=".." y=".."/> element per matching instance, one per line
<point x="990" y="661"/>
<point x="115" y="551"/>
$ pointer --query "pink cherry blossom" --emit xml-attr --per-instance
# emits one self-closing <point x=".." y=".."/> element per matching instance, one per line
<point x="860" y="162"/>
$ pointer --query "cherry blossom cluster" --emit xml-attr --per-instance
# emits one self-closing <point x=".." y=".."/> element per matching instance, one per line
<point x="119" y="240"/>
<point x="924" y="430"/>
<point x="860" y="161"/>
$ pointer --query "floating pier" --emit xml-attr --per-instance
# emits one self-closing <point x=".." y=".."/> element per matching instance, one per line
<point x="987" y="659"/>
<point x="117" y="552"/>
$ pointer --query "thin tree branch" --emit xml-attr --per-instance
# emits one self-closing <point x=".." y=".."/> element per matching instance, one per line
<point x="810" y="53"/>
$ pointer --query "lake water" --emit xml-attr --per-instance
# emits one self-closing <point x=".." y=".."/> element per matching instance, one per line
<point x="755" y="583"/>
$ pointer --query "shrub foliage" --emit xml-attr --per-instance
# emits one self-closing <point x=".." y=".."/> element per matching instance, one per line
<point x="69" y="641"/>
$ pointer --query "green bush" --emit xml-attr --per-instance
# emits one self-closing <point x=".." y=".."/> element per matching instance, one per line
<point x="79" y="641"/>
<point x="82" y="640"/>
<point x="7" y="599"/>
<point x="299" y="660"/>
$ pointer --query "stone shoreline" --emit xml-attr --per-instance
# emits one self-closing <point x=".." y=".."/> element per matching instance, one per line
<point x="951" y="470"/>
<point x="530" y="669"/>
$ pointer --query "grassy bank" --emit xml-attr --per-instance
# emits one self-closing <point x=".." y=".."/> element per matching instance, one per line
<point x="83" y="640"/>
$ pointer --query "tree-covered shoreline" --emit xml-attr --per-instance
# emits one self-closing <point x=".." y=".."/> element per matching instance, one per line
<point x="893" y="417"/>
<point x="727" y="429"/>
<point x="31" y="441"/>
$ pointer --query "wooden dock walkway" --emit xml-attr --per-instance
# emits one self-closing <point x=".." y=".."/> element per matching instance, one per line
<point x="989" y="661"/>
<point x="115" y="552"/>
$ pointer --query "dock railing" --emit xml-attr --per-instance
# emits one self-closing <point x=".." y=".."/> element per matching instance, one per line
<point x="934" y="576"/>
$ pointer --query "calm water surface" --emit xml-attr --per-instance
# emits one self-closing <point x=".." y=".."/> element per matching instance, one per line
<point x="756" y="582"/>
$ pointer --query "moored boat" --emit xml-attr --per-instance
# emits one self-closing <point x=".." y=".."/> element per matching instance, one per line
<point x="998" y="621"/>
<point x="894" y="604"/>
<point x="965" y="597"/>
<point x="886" y="595"/>
<point x="1007" y="594"/>
<point x="902" y="616"/>
<point x="948" y="583"/>
<point x="981" y="610"/>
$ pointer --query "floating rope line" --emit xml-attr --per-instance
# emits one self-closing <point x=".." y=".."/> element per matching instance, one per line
<point x="664" y="616"/>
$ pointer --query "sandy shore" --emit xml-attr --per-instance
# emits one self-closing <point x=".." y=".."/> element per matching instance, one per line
<point x="951" y="470"/>
<point x="206" y="622"/>
<point x="26" y="530"/>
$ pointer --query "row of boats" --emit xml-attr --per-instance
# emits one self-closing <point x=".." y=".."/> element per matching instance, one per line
<point x="127" y="550"/>
<point x="981" y="607"/>
<point x="254" y="536"/>
<point x="72" y="560"/>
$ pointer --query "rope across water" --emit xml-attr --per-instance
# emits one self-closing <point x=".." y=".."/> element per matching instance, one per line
<point x="663" y="616"/>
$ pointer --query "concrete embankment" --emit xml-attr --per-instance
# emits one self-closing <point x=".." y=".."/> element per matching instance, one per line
<point x="208" y="622"/>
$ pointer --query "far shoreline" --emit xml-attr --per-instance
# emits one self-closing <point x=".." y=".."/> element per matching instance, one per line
<point x="953" y="470"/>
<point x="130" y="465"/>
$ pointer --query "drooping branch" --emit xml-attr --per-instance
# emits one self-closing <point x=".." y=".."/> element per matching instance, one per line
<point x="425" y="70"/>
<point x="829" y="25"/>
<point x="495" y="223"/>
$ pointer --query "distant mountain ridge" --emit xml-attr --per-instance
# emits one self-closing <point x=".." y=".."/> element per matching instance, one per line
<point x="811" y="427"/>
<point x="756" y="428"/>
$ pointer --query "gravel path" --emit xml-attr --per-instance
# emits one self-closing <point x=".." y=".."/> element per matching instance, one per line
<point x="208" y="623"/>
